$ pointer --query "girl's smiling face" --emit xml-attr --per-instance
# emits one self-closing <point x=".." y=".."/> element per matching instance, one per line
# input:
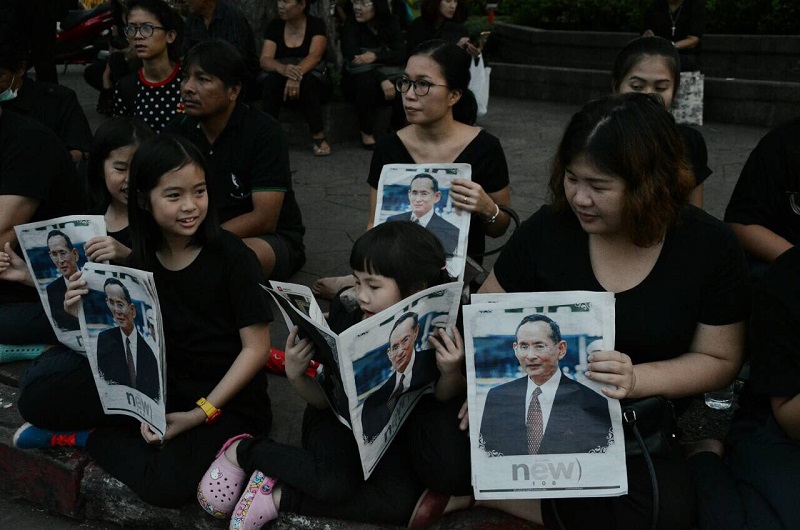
<point x="375" y="293"/>
<point x="115" y="173"/>
<point x="179" y="202"/>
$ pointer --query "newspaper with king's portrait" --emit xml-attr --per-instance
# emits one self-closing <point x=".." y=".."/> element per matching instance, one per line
<point x="123" y="331"/>
<point x="54" y="251"/>
<point x="421" y="193"/>
<point x="539" y="428"/>
<point x="375" y="372"/>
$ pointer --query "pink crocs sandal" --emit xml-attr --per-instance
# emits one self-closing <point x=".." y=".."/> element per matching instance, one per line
<point x="222" y="484"/>
<point x="256" y="507"/>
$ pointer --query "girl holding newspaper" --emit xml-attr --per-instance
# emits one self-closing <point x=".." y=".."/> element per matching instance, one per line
<point x="113" y="146"/>
<point x="619" y="221"/>
<point x="216" y="332"/>
<point x="323" y="478"/>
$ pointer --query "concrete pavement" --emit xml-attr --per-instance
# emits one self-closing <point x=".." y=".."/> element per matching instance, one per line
<point x="333" y="196"/>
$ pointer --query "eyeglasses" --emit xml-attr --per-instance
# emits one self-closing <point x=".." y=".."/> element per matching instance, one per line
<point x="146" y="30"/>
<point x="59" y="255"/>
<point x="794" y="201"/>
<point x="421" y="87"/>
<point x="395" y="349"/>
<point x="537" y="348"/>
<point x="420" y="193"/>
<point x="116" y="304"/>
<point x="362" y="5"/>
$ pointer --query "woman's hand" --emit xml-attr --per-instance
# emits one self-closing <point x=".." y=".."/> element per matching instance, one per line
<point x="177" y="423"/>
<point x="470" y="48"/>
<point x="106" y="248"/>
<point x="292" y="71"/>
<point x="13" y="268"/>
<point x="76" y="290"/>
<point x="389" y="92"/>
<point x="298" y="356"/>
<point x="365" y="58"/>
<point x="463" y="415"/>
<point x="292" y="90"/>
<point x="469" y="196"/>
<point x="449" y="352"/>
<point x="612" y="368"/>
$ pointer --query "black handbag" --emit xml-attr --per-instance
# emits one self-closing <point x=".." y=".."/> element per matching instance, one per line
<point x="650" y="430"/>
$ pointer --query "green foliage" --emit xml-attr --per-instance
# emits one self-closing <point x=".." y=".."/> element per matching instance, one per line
<point x="723" y="16"/>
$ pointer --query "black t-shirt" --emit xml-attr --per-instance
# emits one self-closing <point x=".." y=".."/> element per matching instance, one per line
<point x="274" y="32"/>
<point x="696" y="152"/>
<point x="701" y="276"/>
<point x="484" y="154"/>
<point x="154" y="103"/>
<point x="387" y="43"/>
<point x="775" y="329"/>
<point x="34" y="163"/>
<point x="249" y="156"/>
<point x="770" y="175"/>
<point x="690" y="19"/>
<point x="203" y="307"/>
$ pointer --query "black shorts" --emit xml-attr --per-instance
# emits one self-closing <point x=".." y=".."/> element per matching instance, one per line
<point x="290" y="254"/>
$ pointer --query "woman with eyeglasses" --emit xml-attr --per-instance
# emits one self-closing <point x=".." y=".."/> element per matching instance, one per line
<point x="293" y="57"/>
<point x="441" y="112"/>
<point x="372" y="46"/>
<point x="440" y="19"/>
<point x="153" y="94"/>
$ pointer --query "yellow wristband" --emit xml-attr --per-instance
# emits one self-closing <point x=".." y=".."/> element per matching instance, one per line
<point x="207" y="407"/>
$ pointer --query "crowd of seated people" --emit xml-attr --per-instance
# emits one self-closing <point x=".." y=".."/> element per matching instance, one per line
<point x="695" y="296"/>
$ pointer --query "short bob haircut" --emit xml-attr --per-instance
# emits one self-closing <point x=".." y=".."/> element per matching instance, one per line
<point x="641" y="48"/>
<point x="633" y="137"/>
<point x="167" y="17"/>
<point x="112" y="134"/>
<point x="453" y="63"/>
<point x="403" y="251"/>
<point x="429" y="10"/>
<point x="219" y="58"/>
<point x="156" y="157"/>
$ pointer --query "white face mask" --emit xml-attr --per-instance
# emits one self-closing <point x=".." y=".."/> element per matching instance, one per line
<point x="8" y="94"/>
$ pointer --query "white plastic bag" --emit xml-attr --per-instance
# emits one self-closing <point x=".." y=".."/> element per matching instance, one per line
<point x="479" y="84"/>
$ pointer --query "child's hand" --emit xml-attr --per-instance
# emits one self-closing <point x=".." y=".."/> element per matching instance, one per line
<point x="298" y="356"/>
<point x="449" y="352"/>
<point x="12" y="268"/>
<point x="76" y="290"/>
<point x="463" y="415"/>
<point x="177" y="423"/>
<point x="106" y="248"/>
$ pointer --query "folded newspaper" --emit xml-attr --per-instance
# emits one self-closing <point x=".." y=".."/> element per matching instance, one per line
<point x="420" y="193"/>
<point x="375" y="372"/>
<point x="53" y="250"/>
<point x="122" y="330"/>
<point x="539" y="428"/>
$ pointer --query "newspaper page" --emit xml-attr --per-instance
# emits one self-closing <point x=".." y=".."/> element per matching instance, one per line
<point x="538" y="427"/>
<point x="303" y="299"/>
<point x="421" y="193"/>
<point x="389" y="363"/>
<point x="326" y="347"/>
<point x="53" y="250"/>
<point x="124" y="338"/>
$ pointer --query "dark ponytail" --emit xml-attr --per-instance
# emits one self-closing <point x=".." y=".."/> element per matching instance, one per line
<point x="454" y="62"/>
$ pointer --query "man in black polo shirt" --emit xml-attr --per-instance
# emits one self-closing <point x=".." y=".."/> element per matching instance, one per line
<point x="37" y="182"/>
<point x="251" y="186"/>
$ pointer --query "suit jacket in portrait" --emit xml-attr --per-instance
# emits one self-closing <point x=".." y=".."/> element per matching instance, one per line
<point x="55" y="298"/>
<point x="446" y="232"/>
<point x="579" y="421"/>
<point x="375" y="413"/>
<point x="114" y="368"/>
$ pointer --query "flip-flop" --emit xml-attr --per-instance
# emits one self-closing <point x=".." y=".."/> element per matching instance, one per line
<point x="318" y="148"/>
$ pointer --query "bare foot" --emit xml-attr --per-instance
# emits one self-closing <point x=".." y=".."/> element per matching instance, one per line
<point x="230" y="453"/>
<point x="367" y="140"/>
<point x="328" y="287"/>
<point x="709" y="445"/>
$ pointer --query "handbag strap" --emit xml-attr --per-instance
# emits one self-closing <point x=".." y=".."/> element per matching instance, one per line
<point x="629" y="415"/>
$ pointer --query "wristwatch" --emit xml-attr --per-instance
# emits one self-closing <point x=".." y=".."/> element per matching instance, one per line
<point x="211" y="412"/>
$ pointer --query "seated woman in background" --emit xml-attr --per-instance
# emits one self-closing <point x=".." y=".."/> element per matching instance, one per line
<point x="682" y="22"/>
<point x="293" y="53"/>
<point x="153" y="94"/>
<point x="440" y="19"/>
<point x="372" y="46"/>
<point x="441" y="111"/>
<point x="619" y="221"/>
<point x="651" y="65"/>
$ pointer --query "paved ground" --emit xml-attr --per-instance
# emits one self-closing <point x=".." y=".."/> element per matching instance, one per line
<point x="333" y="195"/>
